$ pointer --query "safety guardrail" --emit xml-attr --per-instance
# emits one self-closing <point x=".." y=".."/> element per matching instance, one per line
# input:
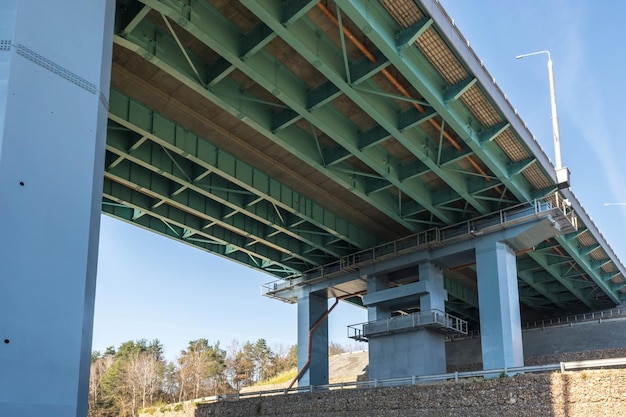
<point x="553" y="206"/>
<point x="599" y="316"/>
<point x="577" y="318"/>
<point x="434" y="319"/>
<point x="414" y="380"/>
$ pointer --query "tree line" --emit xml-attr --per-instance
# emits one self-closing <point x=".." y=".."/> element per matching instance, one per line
<point x="136" y="375"/>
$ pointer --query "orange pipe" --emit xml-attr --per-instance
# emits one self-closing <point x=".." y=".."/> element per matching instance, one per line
<point x="313" y="328"/>
<point x="359" y="45"/>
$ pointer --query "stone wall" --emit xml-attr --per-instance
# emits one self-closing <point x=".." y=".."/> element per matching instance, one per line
<point x="572" y="394"/>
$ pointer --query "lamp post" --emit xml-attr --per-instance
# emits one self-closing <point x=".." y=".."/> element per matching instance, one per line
<point x="562" y="173"/>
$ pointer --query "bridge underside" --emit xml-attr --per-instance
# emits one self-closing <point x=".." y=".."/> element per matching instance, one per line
<point x="286" y="135"/>
<point x="356" y="140"/>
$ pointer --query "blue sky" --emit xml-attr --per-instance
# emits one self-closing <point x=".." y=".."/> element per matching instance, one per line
<point x="152" y="287"/>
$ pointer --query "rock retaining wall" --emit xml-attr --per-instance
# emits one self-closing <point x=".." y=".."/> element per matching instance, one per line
<point x="572" y="394"/>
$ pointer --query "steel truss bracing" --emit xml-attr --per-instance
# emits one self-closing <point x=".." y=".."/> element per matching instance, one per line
<point x="217" y="193"/>
<point x="286" y="135"/>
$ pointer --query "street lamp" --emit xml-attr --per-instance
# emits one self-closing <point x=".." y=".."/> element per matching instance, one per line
<point x="562" y="173"/>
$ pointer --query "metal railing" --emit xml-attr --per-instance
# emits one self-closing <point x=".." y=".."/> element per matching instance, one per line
<point x="577" y="318"/>
<point x="599" y="316"/>
<point x="554" y="206"/>
<point x="433" y="319"/>
<point x="414" y="380"/>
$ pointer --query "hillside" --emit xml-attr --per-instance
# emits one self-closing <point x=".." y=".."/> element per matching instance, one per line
<point x="345" y="367"/>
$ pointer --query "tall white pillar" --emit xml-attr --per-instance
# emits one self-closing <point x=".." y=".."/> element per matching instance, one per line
<point x="55" y="60"/>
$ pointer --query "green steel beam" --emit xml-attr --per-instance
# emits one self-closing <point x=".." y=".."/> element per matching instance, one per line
<point x="586" y="250"/>
<point x="575" y="235"/>
<point x="373" y="136"/>
<point x="176" y="222"/>
<point x="489" y="134"/>
<point x="368" y="138"/>
<point x="409" y="36"/>
<point x="214" y="188"/>
<point x="325" y="56"/>
<point x="517" y="168"/>
<point x="206" y="211"/>
<point x="546" y="245"/>
<point x="413" y="170"/>
<point x="322" y="94"/>
<point x="255" y="40"/>
<point x="374" y="185"/>
<point x="263" y="69"/>
<point x="411" y="118"/>
<point x="596" y="264"/>
<point x="335" y="155"/>
<point x="461" y="292"/>
<point x="376" y="24"/>
<point x="459" y="309"/>
<point x="364" y="69"/>
<point x="527" y="264"/>
<point x="581" y="257"/>
<point x="218" y="70"/>
<point x="295" y="9"/>
<point x="294" y="139"/>
<point x="449" y="157"/>
<point x="393" y="96"/>
<point x="454" y="92"/>
<point x="528" y="278"/>
<point x="542" y="260"/>
<point x="258" y="116"/>
<point x="470" y="132"/>
<point x="178" y="140"/>
<point x="127" y="21"/>
<point x="411" y="208"/>
<point x="583" y="260"/>
<point x="283" y="119"/>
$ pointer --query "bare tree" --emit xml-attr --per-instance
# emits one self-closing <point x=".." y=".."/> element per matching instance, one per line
<point x="99" y="366"/>
<point x="142" y="377"/>
<point x="201" y="370"/>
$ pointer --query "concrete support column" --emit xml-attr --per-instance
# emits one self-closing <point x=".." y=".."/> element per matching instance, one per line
<point x="498" y="298"/>
<point x="312" y="307"/>
<point x="375" y="312"/>
<point x="436" y="298"/>
<point x="417" y="351"/>
<point x="432" y="358"/>
<point x="55" y="61"/>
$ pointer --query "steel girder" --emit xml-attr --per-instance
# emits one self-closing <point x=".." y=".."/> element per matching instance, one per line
<point x="294" y="207"/>
<point x="228" y="95"/>
<point x="211" y="28"/>
<point x="382" y="31"/>
<point x="164" y="227"/>
<point x="172" y="180"/>
<point x="164" y="192"/>
<point x="540" y="288"/>
<point x="403" y="126"/>
<point x="136" y="207"/>
<point x="374" y="21"/>
<point x="295" y="100"/>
